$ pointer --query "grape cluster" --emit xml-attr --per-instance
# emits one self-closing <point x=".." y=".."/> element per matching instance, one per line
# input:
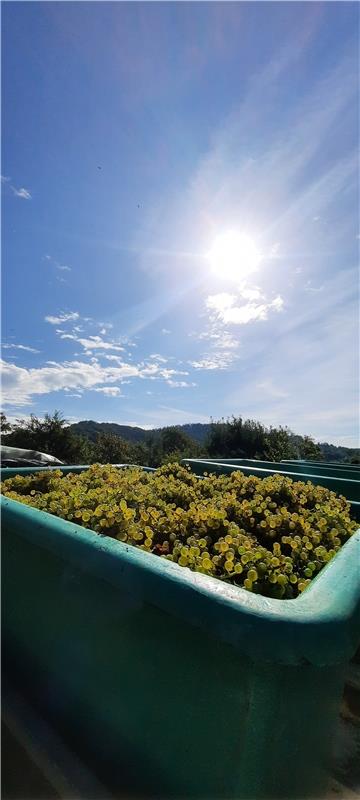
<point x="269" y="535"/>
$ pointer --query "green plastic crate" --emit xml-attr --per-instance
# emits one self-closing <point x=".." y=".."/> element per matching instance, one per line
<point x="294" y="466"/>
<point x="348" y="488"/>
<point x="333" y="464"/>
<point x="170" y="683"/>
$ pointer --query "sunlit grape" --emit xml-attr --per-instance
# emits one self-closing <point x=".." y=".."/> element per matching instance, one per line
<point x="206" y="525"/>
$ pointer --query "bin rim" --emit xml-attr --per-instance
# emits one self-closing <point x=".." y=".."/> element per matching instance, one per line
<point x="321" y="626"/>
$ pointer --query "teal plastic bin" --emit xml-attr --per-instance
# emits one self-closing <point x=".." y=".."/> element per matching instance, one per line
<point x="332" y="464"/>
<point x="347" y="487"/>
<point x="295" y="466"/>
<point x="335" y="470"/>
<point x="172" y="684"/>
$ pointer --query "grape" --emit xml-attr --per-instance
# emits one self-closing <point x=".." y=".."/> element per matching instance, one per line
<point x="271" y="535"/>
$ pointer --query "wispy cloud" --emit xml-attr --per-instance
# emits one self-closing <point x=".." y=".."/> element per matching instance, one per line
<point x="180" y="384"/>
<point x="21" y="192"/>
<point x="56" y="264"/>
<point x="24" y="193"/>
<point x="165" y="331"/>
<point x="20" y="347"/>
<point x="93" y="342"/>
<point x="109" y="391"/>
<point x="69" y="316"/>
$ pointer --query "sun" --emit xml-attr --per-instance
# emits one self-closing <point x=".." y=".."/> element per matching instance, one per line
<point x="234" y="256"/>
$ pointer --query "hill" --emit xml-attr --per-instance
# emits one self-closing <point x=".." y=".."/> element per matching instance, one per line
<point x="89" y="428"/>
<point x="197" y="431"/>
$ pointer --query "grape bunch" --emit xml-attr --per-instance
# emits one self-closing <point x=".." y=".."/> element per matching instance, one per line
<point x="271" y="535"/>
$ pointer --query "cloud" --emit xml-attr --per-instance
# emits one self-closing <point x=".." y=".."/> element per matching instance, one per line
<point x="56" y="264"/>
<point x="165" y="331"/>
<point x="214" y="361"/>
<point x="223" y="306"/>
<point x="180" y="384"/>
<point x="158" y="357"/>
<point x="270" y="390"/>
<point x="70" y="316"/>
<point x="19" y="384"/>
<point x="4" y="179"/>
<point x="116" y="359"/>
<point x="109" y="391"/>
<point x="24" y="193"/>
<point x="92" y="342"/>
<point x="20" y="347"/>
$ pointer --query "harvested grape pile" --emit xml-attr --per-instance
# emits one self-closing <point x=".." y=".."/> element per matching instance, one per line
<point x="270" y="536"/>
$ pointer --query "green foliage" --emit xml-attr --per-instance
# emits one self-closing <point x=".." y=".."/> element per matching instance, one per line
<point x="171" y="444"/>
<point x="236" y="437"/>
<point x="51" y="435"/>
<point x="270" y="536"/>
<point x="112" y="449"/>
<point x="5" y="426"/>
<point x="278" y="444"/>
<point x="310" y="450"/>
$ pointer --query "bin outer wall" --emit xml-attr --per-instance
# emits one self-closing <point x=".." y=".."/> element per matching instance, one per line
<point x="297" y="467"/>
<point x="154" y="674"/>
<point x="347" y="487"/>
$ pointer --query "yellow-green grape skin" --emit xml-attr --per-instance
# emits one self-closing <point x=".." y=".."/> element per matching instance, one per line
<point x="232" y="527"/>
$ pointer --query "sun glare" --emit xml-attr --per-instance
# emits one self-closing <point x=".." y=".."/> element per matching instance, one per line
<point x="234" y="256"/>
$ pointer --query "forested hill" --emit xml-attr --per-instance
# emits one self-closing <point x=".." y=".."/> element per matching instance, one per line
<point x="90" y="429"/>
<point x="197" y="431"/>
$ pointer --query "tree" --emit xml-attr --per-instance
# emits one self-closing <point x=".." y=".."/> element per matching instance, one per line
<point x="50" y="435"/>
<point x="112" y="449"/>
<point x="5" y="426"/>
<point x="279" y="444"/>
<point x="309" y="449"/>
<point x="237" y="438"/>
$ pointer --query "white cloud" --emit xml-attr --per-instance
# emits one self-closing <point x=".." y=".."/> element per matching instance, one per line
<point x="19" y="384"/>
<point x="24" y="193"/>
<point x="56" y="264"/>
<point x="180" y="384"/>
<point x="270" y="390"/>
<point x="220" y="302"/>
<point x="96" y="342"/>
<point x="165" y="331"/>
<point x="20" y="347"/>
<point x="223" y="306"/>
<point x="70" y="316"/>
<point x="158" y="357"/>
<point x="216" y="361"/>
<point x="109" y="391"/>
<point x="4" y="179"/>
<point x="116" y="359"/>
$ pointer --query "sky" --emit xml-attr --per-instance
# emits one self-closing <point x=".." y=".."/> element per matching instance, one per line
<point x="136" y="139"/>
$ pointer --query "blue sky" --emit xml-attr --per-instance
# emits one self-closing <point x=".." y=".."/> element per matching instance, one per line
<point x="205" y="118"/>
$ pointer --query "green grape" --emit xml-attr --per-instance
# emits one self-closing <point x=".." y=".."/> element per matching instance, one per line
<point x="207" y="525"/>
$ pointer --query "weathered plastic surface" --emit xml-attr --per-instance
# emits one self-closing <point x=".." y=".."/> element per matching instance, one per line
<point x="171" y="683"/>
<point x="298" y="467"/>
<point x="337" y="470"/>
<point x="348" y="488"/>
<point x="333" y="464"/>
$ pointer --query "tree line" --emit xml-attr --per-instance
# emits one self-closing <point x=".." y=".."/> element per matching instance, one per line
<point x="227" y="438"/>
